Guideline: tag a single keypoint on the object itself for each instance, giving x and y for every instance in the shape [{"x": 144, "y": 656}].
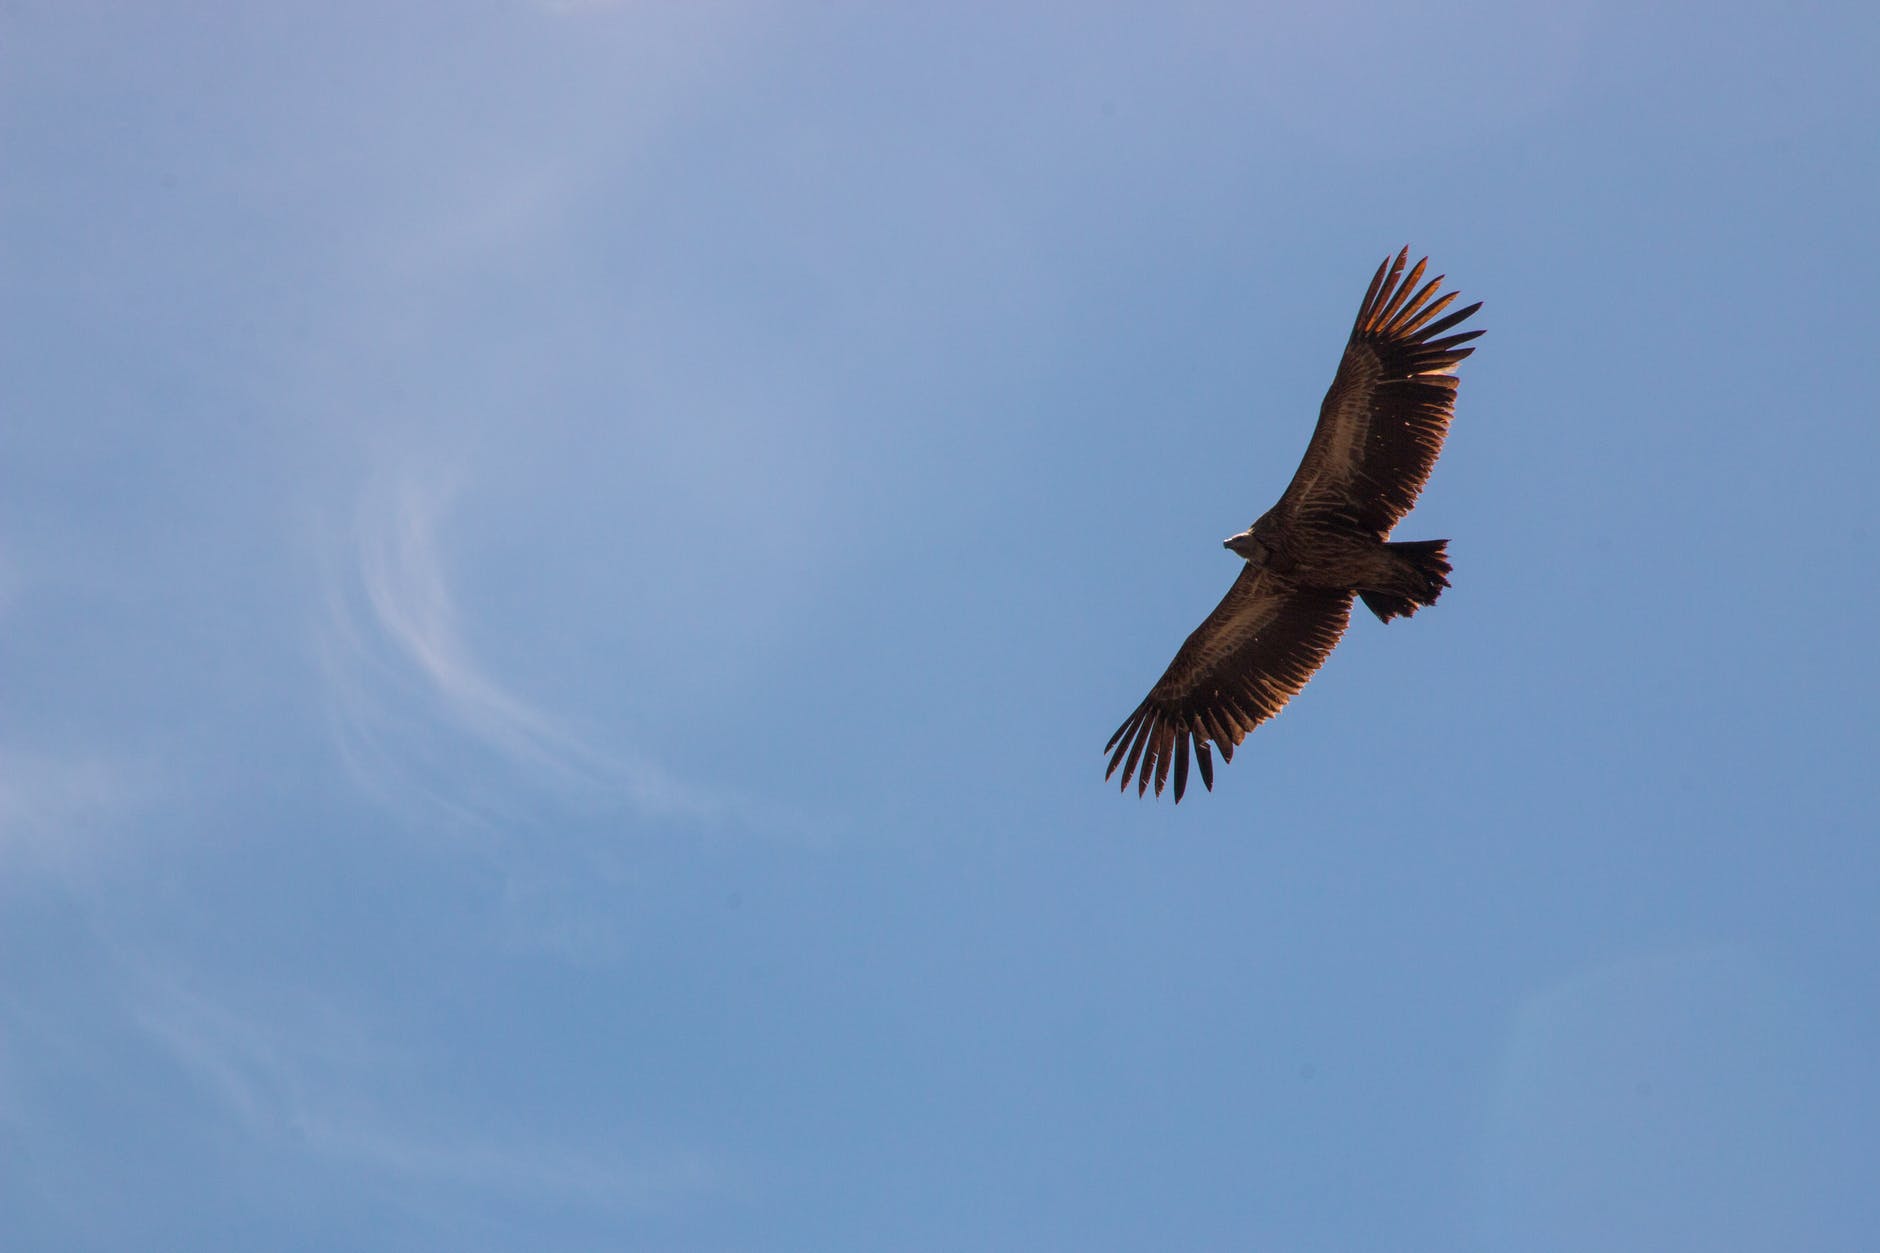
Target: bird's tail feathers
[{"x": 1419, "y": 573}]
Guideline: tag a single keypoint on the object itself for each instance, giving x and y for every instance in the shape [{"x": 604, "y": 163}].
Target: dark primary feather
[
  {"x": 1384, "y": 418},
  {"x": 1237, "y": 669}
]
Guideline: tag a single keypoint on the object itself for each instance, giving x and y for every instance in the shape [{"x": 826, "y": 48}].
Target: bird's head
[{"x": 1247, "y": 546}]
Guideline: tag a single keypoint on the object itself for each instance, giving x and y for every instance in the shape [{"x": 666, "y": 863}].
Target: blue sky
[{"x": 565, "y": 569}]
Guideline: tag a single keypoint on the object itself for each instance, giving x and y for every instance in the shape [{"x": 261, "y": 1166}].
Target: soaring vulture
[{"x": 1380, "y": 428}]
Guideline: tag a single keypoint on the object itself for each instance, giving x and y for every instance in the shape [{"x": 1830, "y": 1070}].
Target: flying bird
[{"x": 1380, "y": 428}]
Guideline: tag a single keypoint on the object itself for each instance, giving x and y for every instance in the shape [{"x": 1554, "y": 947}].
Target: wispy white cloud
[
  {"x": 534, "y": 235},
  {"x": 304, "y": 1077},
  {"x": 54, "y": 806},
  {"x": 409, "y": 693}
]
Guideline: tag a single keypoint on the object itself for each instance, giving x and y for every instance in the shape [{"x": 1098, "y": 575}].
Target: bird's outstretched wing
[
  {"x": 1238, "y": 668},
  {"x": 1383, "y": 421}
]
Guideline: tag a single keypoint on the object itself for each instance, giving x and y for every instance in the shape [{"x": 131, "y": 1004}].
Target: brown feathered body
[{"x": 1380, "y": 429}]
